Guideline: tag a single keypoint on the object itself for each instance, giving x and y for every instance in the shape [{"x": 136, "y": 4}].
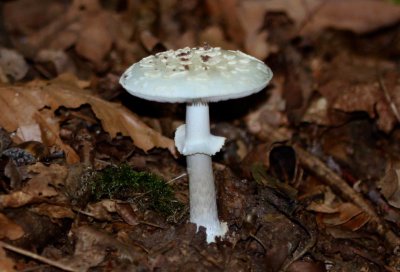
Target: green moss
[{"x": 145, "y": 189}]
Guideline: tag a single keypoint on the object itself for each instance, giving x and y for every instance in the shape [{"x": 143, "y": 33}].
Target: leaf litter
[{"x": 309, "y": 180}]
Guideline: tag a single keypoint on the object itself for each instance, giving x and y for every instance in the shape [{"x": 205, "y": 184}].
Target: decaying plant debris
[{"x": 308, "y": 180}]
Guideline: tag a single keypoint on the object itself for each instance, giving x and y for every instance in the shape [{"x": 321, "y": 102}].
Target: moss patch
[{"x": 147, "y": 190}]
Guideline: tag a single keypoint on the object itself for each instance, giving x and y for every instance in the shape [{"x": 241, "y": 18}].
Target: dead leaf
[
  {"x": 29, "y": 132},
  {"x": 345, "y": 212},
  {"x": 317, "y": 111},
  {"x": 38, "y": 187},
  {"x": 6, "y": 264},
  {"x": 82, "y": 23},
  {"x": 16, "y": 199},
  {"x": 214, "y": 36},
  {"x": 53, "y": 211},
  {"x": 92, "y": 246},
  {"x": 353, "y": 84},
  {"x": 58, "y": 59},
  {"x": 96, "y": 37},
  {"x": 101, "y": 210},
  {"x": 54, "y": 174},
  {"x": 251, "y": 17},
  {"x": 346, "y": 215},
  {"x": 26, "y": 16},
  {"x": 390, "y": 186},
  {"x": 9, "y": 229},
  {"x": 127, "y": 214},
  {"x": 13, "y": 172},
  {"x": 301, "y": 266},
  {"x": 26, "y": 103},
  {"x": 226, "y": 11},
  {"x": 13, "y": 64},
  {"x": 270, "y": 113},
  {"x": 148, "y": 40},
  {"x": 335, "y": 214},
  {"x": 359, "y": 16},
  {"x": 50, "y": 134}
]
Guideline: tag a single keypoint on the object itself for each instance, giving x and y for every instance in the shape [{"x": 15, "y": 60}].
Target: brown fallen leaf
[
  {"x": 390, "y": 186},
  {"x": 25, "y": 104},
  {"x": 299, "y": 266},
  {"x": 53, "y": 211},
  {"x": 226, "y": 11},
  {"x": 214, "y": 36},
  {"x": 13, "y": 64},
  {"x": 359, "y": 16},
  {"x": 9, "y": 229},
  {"x": 96, "y": 37},
  {"x": 59, "y": 61},
  {"x": 350, "y": 84},
  {"x": 270, "y": 113},
  {"x": 127, "y": 214},
  {"x": 38, "y": 187},
  {"x": 49, "y": 132},
  {"x": 251, "y": 17},
  {"x": 92, "y": 246},
  {"x": 16, "y": 199},
  {"x": 26, "y": 16},
  {"x": 101, "y": 210},
  {"x": 346, "y": 215},
  {"x": 6, "y": 263}
]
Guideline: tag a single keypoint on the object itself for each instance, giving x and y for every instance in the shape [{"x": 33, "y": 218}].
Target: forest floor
[{"x": 309, "y": 176}]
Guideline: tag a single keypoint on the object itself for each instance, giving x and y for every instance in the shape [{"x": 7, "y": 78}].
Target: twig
[
  {"x": 298, "y": 254},
  {"x": 316, "y": 166},
  {"x": 259, "y": 241},
  {"x": 176, "y": 178},
  {"x": 37, "y": 257},
  {"x": 151, "y": 224},
  {"x": 329, "y": 177}
]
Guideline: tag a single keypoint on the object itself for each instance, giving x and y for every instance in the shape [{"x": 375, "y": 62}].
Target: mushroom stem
[{"x": 203, "y": 204}]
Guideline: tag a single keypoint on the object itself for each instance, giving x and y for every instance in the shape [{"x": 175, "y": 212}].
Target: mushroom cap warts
[{"x": 207, "y": 74}]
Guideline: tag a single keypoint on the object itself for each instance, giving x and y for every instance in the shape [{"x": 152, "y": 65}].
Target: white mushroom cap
[{"x": 207, "y": 74}]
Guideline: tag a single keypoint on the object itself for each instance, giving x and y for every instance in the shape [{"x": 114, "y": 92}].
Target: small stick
[
  {"x": 151, "y": 224},
  {"x": 258, "y": 240},
  {"x": 37, "y": 257},
  {"x": 176, "y": 178}
]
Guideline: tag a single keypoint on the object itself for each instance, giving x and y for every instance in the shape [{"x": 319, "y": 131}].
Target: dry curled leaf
[
  {"x": 96, "y": 38},
  {"x": 359, "y": 16},
  {"x": 101, "y": 210},
  {"x": 92, "y": 246},
  {"x": 9, "y": 229},
  {"x": 390, "y": 186},
  {"x": 38, "y": 187},
  {"x": 6, "y": 264},
  {"x": 13, "y": 64},
  {"x": 25, "y": 104},
  {"x": 53, "y": 211},
  {"x": 359, "y": 84},
  {"x": 346, "y": 215}
]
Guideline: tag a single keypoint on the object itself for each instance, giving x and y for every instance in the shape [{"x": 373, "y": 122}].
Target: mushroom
[{"x": 197, "y": 76}]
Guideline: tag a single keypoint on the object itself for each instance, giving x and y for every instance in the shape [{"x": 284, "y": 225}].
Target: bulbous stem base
[{"x": 203, "y": 204}]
